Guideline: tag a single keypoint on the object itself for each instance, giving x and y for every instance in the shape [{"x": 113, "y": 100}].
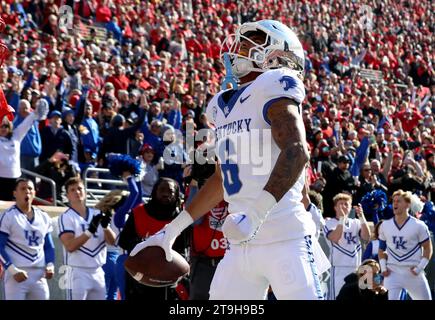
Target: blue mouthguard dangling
[{"x": 229, "y": 77}]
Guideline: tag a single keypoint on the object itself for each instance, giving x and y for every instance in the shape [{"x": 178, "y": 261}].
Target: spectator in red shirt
[
  {"x": 194, "y": 46},
  {"x": 103, "y": 13},
  {"x": 326, "y": 128},
  {"x": 409, "y": 118},
  {"x": 119, "y": 79}
]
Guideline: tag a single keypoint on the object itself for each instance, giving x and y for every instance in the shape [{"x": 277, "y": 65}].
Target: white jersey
[
  {"x": 93, "y": 253},
  {"x": 247, "y": 152},
  {"x": 347, "y": 252},
  {"x": 404, "y": 243},
  {"x": 10, "y": 149},
  {"x": 26, "y": 238}
]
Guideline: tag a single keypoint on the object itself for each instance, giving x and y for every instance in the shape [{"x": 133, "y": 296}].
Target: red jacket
[
  {"x": 146, "y": 225},
  {"x": 103, "y": 14},
  {"x": 208, "y": 239}
]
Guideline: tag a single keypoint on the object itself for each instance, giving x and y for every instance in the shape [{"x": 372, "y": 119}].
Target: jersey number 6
[{"x": 230, "y": 171}]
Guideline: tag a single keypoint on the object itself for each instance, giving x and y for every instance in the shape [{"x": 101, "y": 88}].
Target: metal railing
[
  {"x": 52, "y": 185},
  {"x": 95, "y": 194}
]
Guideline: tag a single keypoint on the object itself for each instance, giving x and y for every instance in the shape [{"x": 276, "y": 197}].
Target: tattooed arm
[{"x": 289, "y": 134}]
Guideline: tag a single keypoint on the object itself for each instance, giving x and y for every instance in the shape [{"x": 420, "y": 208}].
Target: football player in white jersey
[
  {"x": 344, "y": 235},
  {"x": 26, "y": 246},
  {"x": 404, "y": 251},
  {"x": 271, "y": 235},
  {"x": 84, "y": 233}
]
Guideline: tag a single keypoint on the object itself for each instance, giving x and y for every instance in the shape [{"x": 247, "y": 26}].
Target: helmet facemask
[
  {"x": 272, "y": 54},
  {"x": 243, "y": 64}
]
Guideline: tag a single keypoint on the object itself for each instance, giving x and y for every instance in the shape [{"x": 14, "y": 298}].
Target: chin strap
[{"x": 229, "y": 77}]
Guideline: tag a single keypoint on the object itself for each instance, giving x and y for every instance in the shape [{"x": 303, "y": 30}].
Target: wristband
[
  {"x": 422, "y": 265},
  {"x": 341, "y": 221},
  {"x": 88, "y": 233},
  {"x": 181, "y": 222},
  {"x": 383, "y": 264}
]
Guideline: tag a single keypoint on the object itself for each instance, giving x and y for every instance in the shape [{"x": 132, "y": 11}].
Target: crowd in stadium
[{"x": 369, "y": 80}]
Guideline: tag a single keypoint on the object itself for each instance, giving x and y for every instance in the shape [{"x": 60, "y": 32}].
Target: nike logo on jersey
[
  {"x": 243, "y": 100},
  {"x": 241, "y": 219}
]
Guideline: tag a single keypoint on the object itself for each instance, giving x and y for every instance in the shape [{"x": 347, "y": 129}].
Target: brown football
[{"x": 149, "y": 267}]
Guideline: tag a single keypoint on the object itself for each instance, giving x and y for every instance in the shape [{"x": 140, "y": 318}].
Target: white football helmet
[{"x": 281, "y": 48}]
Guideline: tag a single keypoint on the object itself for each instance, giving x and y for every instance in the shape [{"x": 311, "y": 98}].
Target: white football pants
[{"x": 247, "y": 270}]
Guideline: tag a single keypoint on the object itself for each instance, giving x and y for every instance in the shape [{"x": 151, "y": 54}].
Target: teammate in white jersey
[
  {"x": 110, "y": 203},
  {"x": 26, "y": 246},
  {"x": 344, "y": 235},
  {"x": 271, "y": 235},
  {"x": 84, "y": 233},
  {"x": 404, "y": 251}
]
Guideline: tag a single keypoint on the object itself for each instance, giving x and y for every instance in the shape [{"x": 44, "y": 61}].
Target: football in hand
[{"x": 150, "y": 267}]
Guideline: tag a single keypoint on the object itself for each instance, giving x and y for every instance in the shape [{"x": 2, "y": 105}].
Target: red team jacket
[
  {"x": 146, "y": 225},
  {"x": 208, "y": 238}
]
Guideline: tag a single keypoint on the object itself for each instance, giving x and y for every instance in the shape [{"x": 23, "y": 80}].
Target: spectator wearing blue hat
[
  {"x": 89, "y": 132},
  {"x": 54, "y": 137},
  {"x": 69, "y": 124},
  {"x": 153, "y": 135},
  {"x": 89, "y": 161},
  {"x": 319, "y": 112},
  {"x": 13, "y": 93}
]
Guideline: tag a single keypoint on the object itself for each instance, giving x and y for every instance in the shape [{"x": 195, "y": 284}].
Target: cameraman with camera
[{"x": 364, "y": 285}]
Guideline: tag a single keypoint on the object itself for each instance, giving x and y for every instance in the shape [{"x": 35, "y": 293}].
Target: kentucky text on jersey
[{"x": 234, "y": 127}]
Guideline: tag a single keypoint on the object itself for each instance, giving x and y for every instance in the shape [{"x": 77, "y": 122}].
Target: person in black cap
[
  {"x": 54, "y": 137},
  {"x": 117, "y": 135},
  {"x": 340, "y": 180},
  {"x": 70, "y": 125}
]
